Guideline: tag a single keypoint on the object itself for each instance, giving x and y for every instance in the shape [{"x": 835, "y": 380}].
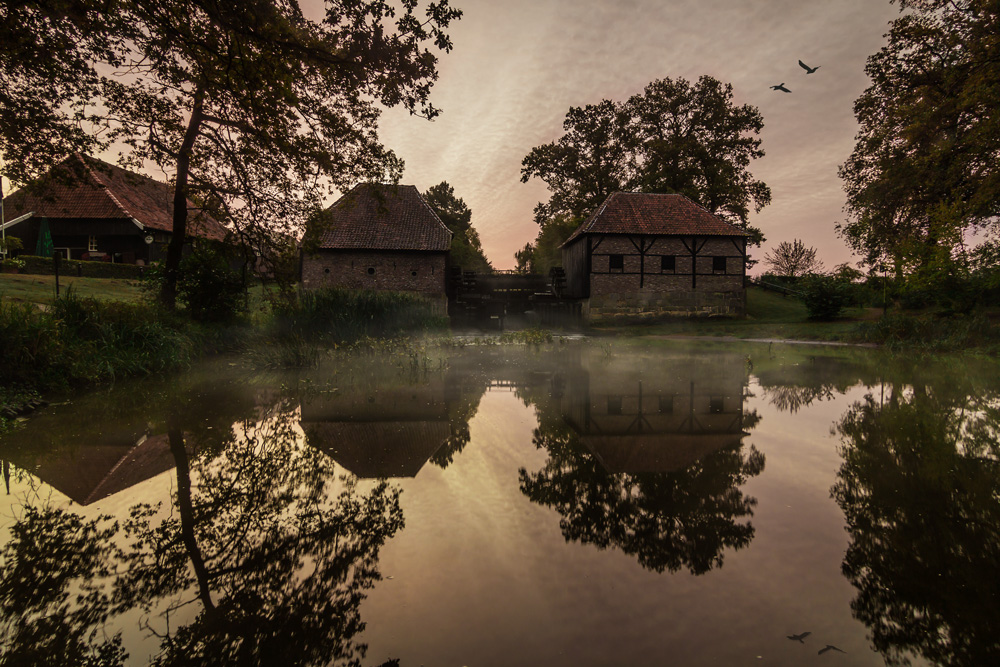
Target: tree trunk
[{"x": 168, "y": 292}]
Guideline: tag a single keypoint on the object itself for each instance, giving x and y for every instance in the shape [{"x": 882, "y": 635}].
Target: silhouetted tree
[
  {"x": 793, "y": 259},
  {"x": 674, "y": 137},
  {"x": 924, "y": 169},
  {"x": 252, "y": 107},
  {"x": 466, "y": 248}
]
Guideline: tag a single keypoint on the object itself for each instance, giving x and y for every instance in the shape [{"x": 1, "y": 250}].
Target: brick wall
[{"x": 420, "y": 272}]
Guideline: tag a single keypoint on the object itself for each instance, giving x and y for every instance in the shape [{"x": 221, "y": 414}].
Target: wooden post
[{"x": 55, "y": 266}]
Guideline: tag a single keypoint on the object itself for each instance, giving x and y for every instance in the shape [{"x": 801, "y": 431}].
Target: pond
[{"x": 586, "y": 502}]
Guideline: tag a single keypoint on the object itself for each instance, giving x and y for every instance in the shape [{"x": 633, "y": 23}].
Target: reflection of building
[
  {"x": 88, "y": 473},
  {"x": 380, "y": 431},
  {"x": 658, "y": 419}
]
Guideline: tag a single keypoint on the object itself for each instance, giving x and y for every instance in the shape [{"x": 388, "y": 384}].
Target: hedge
[{"x": 74, "y": 267}]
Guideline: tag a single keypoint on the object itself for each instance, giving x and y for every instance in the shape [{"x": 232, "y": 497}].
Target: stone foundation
[{"x": 653, "y": 305}]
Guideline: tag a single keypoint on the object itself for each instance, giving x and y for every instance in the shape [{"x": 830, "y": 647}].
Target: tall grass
[
  {"x": 300, "y": 327},
  {"x": 344, "y": 316},
  {"x": 82, "y": 341}
]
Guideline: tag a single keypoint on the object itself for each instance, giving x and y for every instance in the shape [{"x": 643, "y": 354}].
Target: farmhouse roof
[
  {"x": 384, "y": 217},
  {"x": 88, "y": 188},
  {"x": 653, "y": 214}
]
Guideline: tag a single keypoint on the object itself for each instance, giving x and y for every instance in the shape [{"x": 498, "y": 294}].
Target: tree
[
  {"x": 793, "y": 259},
  {"x": 586, "y": 165},
  {"x": 251, "y": 108},
  {"x": 924, "y": 170},
  {"x": 674, "y": 137},
  {"x": 466, "y": 248},
  {"x": 546, "y": 252},
  {"x": 691, "y": 139}
]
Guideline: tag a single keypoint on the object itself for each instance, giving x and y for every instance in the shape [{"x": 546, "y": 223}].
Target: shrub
[
  {"x": 825, "y": 297},
  {"x": 45, "y": 266},
  {"x": 209, "y": 288}
]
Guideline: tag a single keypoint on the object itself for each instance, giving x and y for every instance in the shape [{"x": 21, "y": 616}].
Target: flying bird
[
  {"x": 830, "y": 647},
  {"x": 809, "y": 70},
  {"x": 781, "y": 87},
  {"x": 800, "y": 638}
]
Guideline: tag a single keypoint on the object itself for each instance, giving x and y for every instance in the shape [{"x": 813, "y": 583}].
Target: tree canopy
[
  {"x": 466, "y": 248},
  {"x": 924, "y": 170},
  {"x": 252, "y": 109},
  {"x": 674, "y": 137}
]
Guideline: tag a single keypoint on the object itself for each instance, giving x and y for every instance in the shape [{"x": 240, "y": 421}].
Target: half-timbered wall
[{"x": 645, "y": 275}]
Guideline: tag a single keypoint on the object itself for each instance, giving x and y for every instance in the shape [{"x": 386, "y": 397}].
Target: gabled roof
[
  {"x": 384, "y": 217},
  {"x": 88, "y": 188},
  {"x": 654, "y": 214}
]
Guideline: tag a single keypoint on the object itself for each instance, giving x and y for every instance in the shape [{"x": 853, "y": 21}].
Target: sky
[{"x": 518, "y": 65}]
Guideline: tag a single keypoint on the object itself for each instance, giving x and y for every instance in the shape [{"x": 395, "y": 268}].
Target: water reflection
[
  {"x": 262, "y": 556},
  {"x": 648, "y": 458},
  {"x": 920, "y": 490}
]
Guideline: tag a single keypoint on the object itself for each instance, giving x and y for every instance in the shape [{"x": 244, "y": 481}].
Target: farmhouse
[
  {"x": 98, "y": 211},
  {"x": 645, "y": 254},
  {"x": 380, "y": 237}
]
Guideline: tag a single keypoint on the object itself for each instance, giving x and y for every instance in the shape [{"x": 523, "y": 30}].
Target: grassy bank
[
  {"x": 78, "y": 340},
  {"x": 769, "y": 315}
]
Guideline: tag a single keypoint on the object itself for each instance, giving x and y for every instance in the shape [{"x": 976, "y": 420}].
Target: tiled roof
[
  {"x": 95, "y": 190},
  {"x": 646, "y": 213},
  {"x": 384, "y": 217}
]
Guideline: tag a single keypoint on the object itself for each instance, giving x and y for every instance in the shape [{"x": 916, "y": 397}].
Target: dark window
[
  {"x": 719, "y": 264},
  {"x": 614, "y": 405},
  {"x": 616, "y": 262},
  {"x": 371, "y": 270},
  {"x": 667, "y": 264},
  {"x": 715, "y": 405},
  {"x": 667, "y": 405}
]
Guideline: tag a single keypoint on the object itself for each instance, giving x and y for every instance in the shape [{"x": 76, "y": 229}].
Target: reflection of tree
[
  {"x": 791, "y": 398},
  {"x": 920, "y": 490},
  {"x": 666, "y": 520},
  {"x": 52, "y": 597},
  {"x": 261, "y": 561}
]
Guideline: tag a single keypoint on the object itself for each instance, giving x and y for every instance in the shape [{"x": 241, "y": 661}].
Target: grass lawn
[
  {"x": 769, "y": 315},
  {"x": 42, "y": 289}
]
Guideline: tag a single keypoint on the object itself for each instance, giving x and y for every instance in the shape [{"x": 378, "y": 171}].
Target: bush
[
  {"x": 45, "y": 266},
  {"x": 80, "y": 341},
  {"x": 209, "y": 288},
  {"x": 937, "y": 333},
  {"x": 825, "y": 297}
]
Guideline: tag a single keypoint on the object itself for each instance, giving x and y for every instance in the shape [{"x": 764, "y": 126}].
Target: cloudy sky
[{"x": 518, "y": 65}]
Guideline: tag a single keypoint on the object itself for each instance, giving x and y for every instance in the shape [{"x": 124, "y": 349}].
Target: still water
[{"x": 581, "y": 503}]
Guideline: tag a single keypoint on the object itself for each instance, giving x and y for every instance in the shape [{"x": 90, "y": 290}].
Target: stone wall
[{"x": 423, "y": 273}]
